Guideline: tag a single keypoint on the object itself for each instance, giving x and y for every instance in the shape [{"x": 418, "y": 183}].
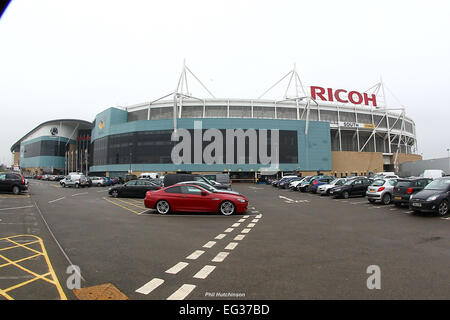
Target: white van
[
  {"x": 149, "y": 175},
  {"x": 433, "y": 174}
]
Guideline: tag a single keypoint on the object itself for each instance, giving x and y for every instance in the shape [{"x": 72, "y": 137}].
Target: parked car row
[{"x": 418, "y": 193}]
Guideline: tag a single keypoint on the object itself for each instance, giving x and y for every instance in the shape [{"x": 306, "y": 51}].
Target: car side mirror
[{"x": 204, "y": 193}]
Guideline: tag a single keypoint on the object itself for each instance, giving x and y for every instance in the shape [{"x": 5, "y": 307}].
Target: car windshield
[
  {"x": 378, "y": 183},
  {"x": 349, "y": 182},
  {"x": 439, "y": 184},
  {"x": 207, "y": 187}
]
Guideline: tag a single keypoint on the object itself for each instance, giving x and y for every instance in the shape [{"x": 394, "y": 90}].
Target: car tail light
[
  {"x": 409, "y": 190},
  {"x": 23, "y": 181},
  {"x": 315, "y": 182},
  {"x": 380, "y": 189},
  {"x": 159, "y": 187}
]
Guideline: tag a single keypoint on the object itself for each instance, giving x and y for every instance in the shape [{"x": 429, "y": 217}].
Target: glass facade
[
  {"x": 44, "y": 148},
  {"x": 155, "y": 147}
]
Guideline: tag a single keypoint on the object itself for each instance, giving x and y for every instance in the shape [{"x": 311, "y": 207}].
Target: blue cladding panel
[{"x": 314, "y": 149}]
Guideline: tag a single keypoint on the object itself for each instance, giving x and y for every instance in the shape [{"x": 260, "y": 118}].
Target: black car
[
  {"x": 174, "y": 178},
  {"x": 133, "y": 188},
  {"x": 435, "y": 197},
  {"x": 12, "y": 182},
  {"x": 354, "y": 187},
  {"x": 407, "y": 187}
]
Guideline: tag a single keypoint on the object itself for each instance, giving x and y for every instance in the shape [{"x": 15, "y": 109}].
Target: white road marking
[
  {"x": 285, "y": 198},
  {"x": 220, "y": 257},
  {"x": 246, "y": 217},
  {"x": 177, "y": 268},
  {"x": 220, "y": 236},
  {"x": 56, "y": 199},
  {"x": 150, "y": 286},
  {"x": 16, "y": 208},
  {"x": 259, "y": 216},
  {"x": 229, "y": 230},
  {"x": 102, "y": 191},
  {"x": 239, "y": 237},
  {"x": 246, "y": 230},
  {"x": 77, "y": 194},
  {"x": 204, "y": 272},
  {"x": 358, "y": 202},
  {"x": 255, "y": 220},
  {"x": 209, "y": 244},
  {"x": 446, "y": 218},
  {"x": 182, "y": 292},
  {"x": 231, "y": 246},
  {"x": 255, "y": 211},
  {"x": 250, "y": 225},
  {"x": 236, "y": 225},
  {"x": 194, "y": 255},
  {"x": 409, "y": 212},
  {"x": 241, "y": 220}
]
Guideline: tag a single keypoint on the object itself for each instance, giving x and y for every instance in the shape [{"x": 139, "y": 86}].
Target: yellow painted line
[
  {"x": 119, "y": 205},
  {"x": 20, "y": 260},
  {"x": 25, "y": 282},
  {"x": 24, "y": 246},
  {"x": 7, "y": 296},
  {"x": 12, "y": 247},
  {"x": 132, "y": 204},
  {"x": 54, "y": 281}
]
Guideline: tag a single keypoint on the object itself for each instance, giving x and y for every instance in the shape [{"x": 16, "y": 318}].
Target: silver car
[
  {"x": 381, "y": 190},
  {"x": 74, "y": 180},
  {"x": 98, "y": 181},
  {"x": 324, "y": 189},
  {"x": 209, "y": 187}
]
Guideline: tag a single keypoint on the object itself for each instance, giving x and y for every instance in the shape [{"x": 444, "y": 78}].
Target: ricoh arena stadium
[{"x": 333, "y": 131}]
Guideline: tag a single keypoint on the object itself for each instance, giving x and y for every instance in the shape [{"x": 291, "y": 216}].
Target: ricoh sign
[{"x": 343, "y": 96}]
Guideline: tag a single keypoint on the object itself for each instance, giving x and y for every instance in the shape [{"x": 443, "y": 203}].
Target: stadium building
[{"x": 336, "y": 131}]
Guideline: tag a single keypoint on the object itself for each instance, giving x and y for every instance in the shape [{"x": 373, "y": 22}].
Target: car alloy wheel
[
  {"x": 77, "y": 185},
  {"x": 345, "y": 194},
  {"x": 115, "y": 193},
  {"x": 99, "y": 184},
  {"x": 63, "y": 185},
  {"x": 386, "y": 199},
  {"x": 227, "y": 208},
  {"x": 162, "y": 207},
  {"x": 443, "y": 208},
  {"x": 16, "y": 190}
]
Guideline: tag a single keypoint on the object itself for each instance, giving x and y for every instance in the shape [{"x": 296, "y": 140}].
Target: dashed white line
[
  {"x": 259, "y": 216},
  {"x": 246, "y": 230},
  {"x": 255, "y": 220},
  {"x": 204, "y": 272},
  {"x": 16, "y": 208},
  {"x": 241, "y": 220},
  {"x": 220, "y": 257},
  {"x": 209, "y": 244},
  {"x": 177, "y": 268},
  {"x": 239, "y": 237},
  {"x": 182, "y": 292},
  {"x": 150, "y": 286},
  {"x": 78, "y": 194},
  {"x": 246, "y": 217},
  {"x": 231, "y": 246},
  {"x": 236, "y": 225},
  {"x": 56, "y": 200},
  {"x": 250, "y": 225},
  {"x": 194, "y": 255},
  {"x": 220, "y": 236},
  {"x": 229, "y": 230}
]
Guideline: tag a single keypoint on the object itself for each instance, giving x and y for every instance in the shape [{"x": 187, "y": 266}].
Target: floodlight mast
[{"x": 182, "y": 91}]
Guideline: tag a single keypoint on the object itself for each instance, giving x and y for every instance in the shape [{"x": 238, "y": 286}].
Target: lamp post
[{"x": 448, "y": 153}]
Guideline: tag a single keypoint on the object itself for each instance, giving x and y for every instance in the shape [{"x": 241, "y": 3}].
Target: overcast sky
[{"x": 73, "y": 59}]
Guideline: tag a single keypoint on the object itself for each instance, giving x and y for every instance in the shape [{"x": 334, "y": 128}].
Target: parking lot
[{"x": 289, "y": 245}]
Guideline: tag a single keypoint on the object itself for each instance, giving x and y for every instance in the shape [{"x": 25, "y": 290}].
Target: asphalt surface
[{"x": 289, "y": 245}]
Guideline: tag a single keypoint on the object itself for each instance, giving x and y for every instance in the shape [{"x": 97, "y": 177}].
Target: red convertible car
[{"x": 192, "y": 198}]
